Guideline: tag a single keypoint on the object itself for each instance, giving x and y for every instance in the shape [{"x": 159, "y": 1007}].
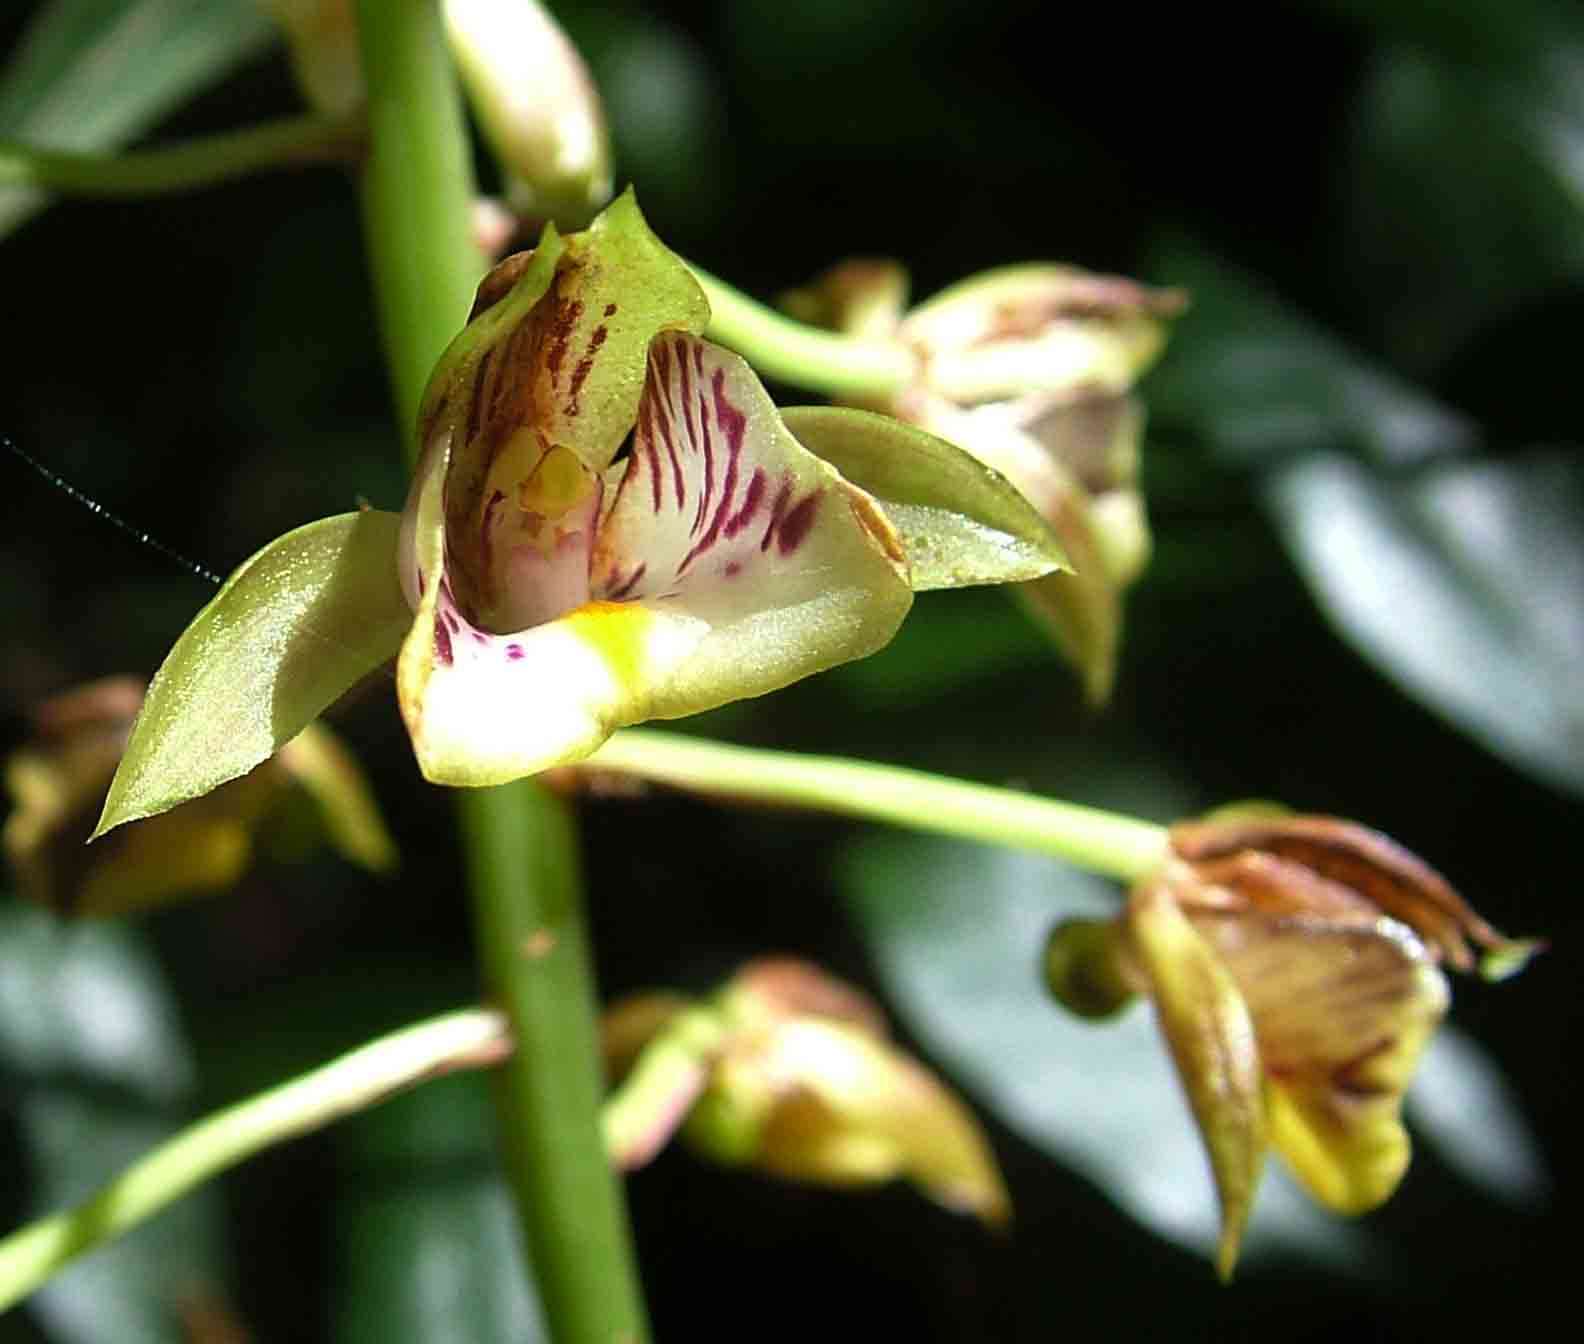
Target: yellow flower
[{"x": 1294, "y": 965}]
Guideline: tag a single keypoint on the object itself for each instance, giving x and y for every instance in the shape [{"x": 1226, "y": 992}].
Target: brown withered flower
[
  {"x": 1295, "y": 967},
  {"x": 791, "y": 1072},
  {"x": 59, "y": 779}
]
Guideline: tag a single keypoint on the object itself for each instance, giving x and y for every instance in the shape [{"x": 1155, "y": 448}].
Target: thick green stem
[
  {"x": 418, "y": 199},
  {"x": 418, "y": 194},
  {"x": 1101, "y": 842},
  {"x": 288, "y": 143},
  {"x": 528, "y": 908},
  {"x": 821, "y": 361},
  {"x": 472, "y": 1038}
]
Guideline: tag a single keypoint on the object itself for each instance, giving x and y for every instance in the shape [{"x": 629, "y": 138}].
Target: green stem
[
  {"x": 472, "y": 1038},
  {"x": 418, "y": 195},
  {"x": 665, "y": 1079},
  {"x": 528, "y": 908},
  {"x": 810, "y": 357},
  {"x": 519, "y": 842},
  {"x": 287, "y": 143},
  {"x": 1101, "y": 842}
]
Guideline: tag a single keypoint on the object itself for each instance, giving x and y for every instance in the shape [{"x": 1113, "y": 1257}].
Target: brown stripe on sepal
[{"x": 1345, "y": 855}]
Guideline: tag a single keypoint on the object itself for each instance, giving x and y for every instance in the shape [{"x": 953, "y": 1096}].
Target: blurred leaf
[
  {"x": 428, "y": 1243},
  {"x": 1461, "y": 1102},
  {"x": 1438, "y": 144},
  {"x": 1461, "y": 584},
  {"x": 1259, "y": 382},
  {"x": 87, "y": 1002},
  {"x": 957, "y": 933},
  {"x": 97, "y": 1068},
  {"x": 94, "y": 74}
]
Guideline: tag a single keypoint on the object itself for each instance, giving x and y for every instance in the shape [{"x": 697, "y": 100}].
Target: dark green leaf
[
  {"x": 1466, "y": 192},
  {"x": 98, "y": 1071},
  {"x": 429, "y": 1248},
  {"x": 1259, "y": 382},
  {"x": 1463, "y": 586},
  {"x": 94, "y": 74}
]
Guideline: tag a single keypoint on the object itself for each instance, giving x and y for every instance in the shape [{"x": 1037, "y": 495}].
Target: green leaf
[
  {"x": 428, "y": 1244},
  {"x": 960, "y": 521},
  {"x": 1462, "y": 585},
  {"x": 292, "y": 629},
  {"x": 1259, "y": 382},
  {"x": 98, "y": 1071},
  {"x": 956, "y": 933},
  {"x": 95, "y": 74}
]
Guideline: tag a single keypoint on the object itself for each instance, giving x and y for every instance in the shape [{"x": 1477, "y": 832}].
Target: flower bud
[
  {"x": 322, "y": 39},
  {"x": 789, "y": 1071},
  {"x": 1029, "y": 369},
  {"x": 58, "y": 783},
  {"x": 536, "y": 104},
  {"x": 1086, "y": 968}
]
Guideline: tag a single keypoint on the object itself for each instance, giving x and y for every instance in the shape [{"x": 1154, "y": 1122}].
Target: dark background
[{"x": 207, "y": 367}]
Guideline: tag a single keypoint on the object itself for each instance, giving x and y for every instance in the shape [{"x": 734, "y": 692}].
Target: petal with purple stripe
[{"x": 723, "y": 516}]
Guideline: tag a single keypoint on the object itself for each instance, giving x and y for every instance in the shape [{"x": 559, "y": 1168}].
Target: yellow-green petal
[
  {"x": 1342, "y": 1014},
  {"x": 295, "y": 627},
  {"x": 960, "y": 521},
  {"x": 1212, "y": 1040}
]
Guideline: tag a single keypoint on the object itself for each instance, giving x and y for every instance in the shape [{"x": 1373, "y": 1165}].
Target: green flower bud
[{"x": 536, "y": 104}]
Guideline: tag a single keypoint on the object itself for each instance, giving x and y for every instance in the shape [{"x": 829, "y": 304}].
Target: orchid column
[{"x": 520, "y": 844}]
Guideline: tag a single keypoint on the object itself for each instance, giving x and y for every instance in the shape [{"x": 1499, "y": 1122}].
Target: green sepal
[
  {"x": 597, "y": 299},
  {"x": 960, "y": 521},
  {"x": 295, "y": 626}
]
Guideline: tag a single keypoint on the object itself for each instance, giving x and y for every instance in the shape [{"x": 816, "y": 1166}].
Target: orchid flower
[
  {"x": 610, "y": 522},
  {"x": 1294, "y": 965},
  {"x": 1030, "y": 369},
  {"x": 791, "y": 1072}
]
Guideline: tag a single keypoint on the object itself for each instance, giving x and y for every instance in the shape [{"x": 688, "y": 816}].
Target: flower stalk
[
  {"x": 469, "y": 1038},
  {"x": 805, "y": 356},
  {"x": 1101, "y": 842},
  {"x": 208, "y": 161},
  {"x": 522, "y": 875}
]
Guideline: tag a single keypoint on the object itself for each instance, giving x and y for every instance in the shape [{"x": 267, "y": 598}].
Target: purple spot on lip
[
  {"x": 795, "y": 526},
  {"x": 514, "y": 653},
  {"x": 442, "y": 644},
  {"x": 733, "y": 568}
]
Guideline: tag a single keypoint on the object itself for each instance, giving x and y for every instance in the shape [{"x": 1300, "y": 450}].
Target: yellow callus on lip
[{"x": 557, "y": 484}]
